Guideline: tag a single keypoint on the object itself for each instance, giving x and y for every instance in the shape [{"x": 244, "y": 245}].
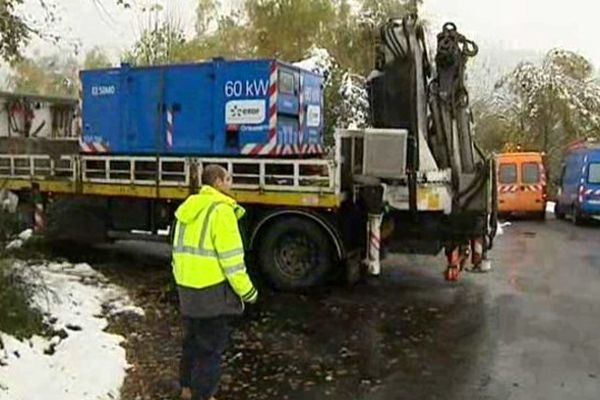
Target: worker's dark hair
[{"x": 211, "y": 173}]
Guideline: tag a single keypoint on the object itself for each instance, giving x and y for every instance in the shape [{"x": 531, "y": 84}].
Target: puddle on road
[{"x": 528, "y": 233}]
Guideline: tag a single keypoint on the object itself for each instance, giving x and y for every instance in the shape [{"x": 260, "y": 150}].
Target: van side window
[
  {"x": 594, "y": 173},
  {"x": 508, "y": 173},
  {"x": 530, "y": 173},
  {"x": 286, "y": 82}
]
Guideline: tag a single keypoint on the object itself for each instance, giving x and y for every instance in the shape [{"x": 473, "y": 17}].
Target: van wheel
[
  {"x": 295, "y": 253},
  {"x": 558, "y": 212},
  {"x": 578, "y": 218}
]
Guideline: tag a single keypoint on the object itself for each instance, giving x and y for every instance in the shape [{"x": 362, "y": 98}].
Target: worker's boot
[
  {"x": 453, "y": 255},
  {"x": 452, "y": 273},
  {"x": 484, "y": 265},
  {"x": 479, "y": 257}
]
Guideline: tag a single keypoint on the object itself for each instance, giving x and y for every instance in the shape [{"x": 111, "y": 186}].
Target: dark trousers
[{"x": 204, "y": 341}]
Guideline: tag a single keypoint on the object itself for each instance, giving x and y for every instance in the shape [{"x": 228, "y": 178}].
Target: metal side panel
[
  {"x": 385, "y": 153},
  {"x": 430, "y": 197},
  {"x": 426, "y": 160},
  {"x": 476, "y": 193}
]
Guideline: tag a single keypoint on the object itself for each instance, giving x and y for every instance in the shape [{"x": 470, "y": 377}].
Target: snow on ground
[
  {"x": 20, "y": 240},
  {"x": 8, "y": 201},
  {"x": 81, "y": 361},
  {"x": 501, "y": 226}
]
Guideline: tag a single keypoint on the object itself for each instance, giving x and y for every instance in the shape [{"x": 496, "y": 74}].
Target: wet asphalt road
[
  {"x": 530, "y": 329},
  {"x": 541, "y": 330}
]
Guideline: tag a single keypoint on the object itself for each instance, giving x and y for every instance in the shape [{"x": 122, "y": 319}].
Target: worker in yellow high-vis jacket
[{"x": 213, "y": 285}]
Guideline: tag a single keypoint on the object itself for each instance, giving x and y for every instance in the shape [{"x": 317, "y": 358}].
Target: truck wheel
[
  {"x": 295, "y": 253},
  {"x": 76, "y": 220}
]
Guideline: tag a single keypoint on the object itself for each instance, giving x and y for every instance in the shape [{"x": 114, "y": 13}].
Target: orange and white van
[{"x": 522, "y": 187}]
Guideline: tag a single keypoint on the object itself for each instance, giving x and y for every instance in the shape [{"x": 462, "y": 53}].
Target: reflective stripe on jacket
[{"x": 207, "y": 246}]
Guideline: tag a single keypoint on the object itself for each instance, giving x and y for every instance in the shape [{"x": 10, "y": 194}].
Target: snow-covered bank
[
  {"x": 20, "y": 240},
  {"x": 81, "y": 361}
]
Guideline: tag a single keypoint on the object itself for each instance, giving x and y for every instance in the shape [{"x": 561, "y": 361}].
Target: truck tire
[
  {"x": 295, "y": 253},
  {"x": 76, "y": 220}
]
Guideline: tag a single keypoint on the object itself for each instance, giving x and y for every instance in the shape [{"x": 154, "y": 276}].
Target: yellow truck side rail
[{"x": 274, "y": 182}]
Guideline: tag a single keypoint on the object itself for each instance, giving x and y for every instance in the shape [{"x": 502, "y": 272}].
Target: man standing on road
[{"x": 211, "y": 277}]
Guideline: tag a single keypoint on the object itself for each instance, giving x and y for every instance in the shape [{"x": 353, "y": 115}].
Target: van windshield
[
  {"x": 530, "y": 173},
  {"x": 594, "y": 173},
  {"x": 508, "y": 173}
]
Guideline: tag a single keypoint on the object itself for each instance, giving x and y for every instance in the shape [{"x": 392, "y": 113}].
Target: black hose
[
  {"x": 400, "y": 53},
  {"x": 480, "y": 184},
  {"x": 494, "y": 211}
]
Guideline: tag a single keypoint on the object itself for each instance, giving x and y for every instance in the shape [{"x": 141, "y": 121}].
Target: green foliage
[
  {"x": 493, "y": 132},
  {"x": 96, "y": 58},
  {"x": 286, "y": 29},
  {"x": 230, "y": 40},
  {"x": 17, "y": 28},
  {"x": 14, "y": 32},
  {"x": 207, "y": 14},
  {"x": 17, "y": 317},
  {"x": 49, "y": 75},
  {"x": 53, "y": 75},
  {"x": 542, "y": 107},
  {"x": 553, "y": 102},
  {"x": 157, "y": 45}
]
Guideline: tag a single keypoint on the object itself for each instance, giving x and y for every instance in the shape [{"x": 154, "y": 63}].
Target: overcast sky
[
  {"x": 526, "y": 24},
  {"x": 102, "y": 23},
  {"x": 521, "y": 24}
]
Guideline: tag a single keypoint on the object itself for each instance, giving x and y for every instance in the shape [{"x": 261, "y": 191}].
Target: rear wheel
[
  {"x": 77, "y": 220},
  {"x": 295, "y": 253}
]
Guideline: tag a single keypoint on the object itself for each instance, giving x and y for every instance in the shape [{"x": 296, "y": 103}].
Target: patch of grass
[
  {"x": 9, "y": 224},
  {"x": 17, "y": 317}
]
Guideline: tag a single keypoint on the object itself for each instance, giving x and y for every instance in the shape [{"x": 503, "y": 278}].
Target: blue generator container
[{"x": 216, "y": 108}]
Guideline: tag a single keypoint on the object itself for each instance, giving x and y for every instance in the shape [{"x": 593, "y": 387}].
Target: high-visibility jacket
[{"x": 207, "y": 245}]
